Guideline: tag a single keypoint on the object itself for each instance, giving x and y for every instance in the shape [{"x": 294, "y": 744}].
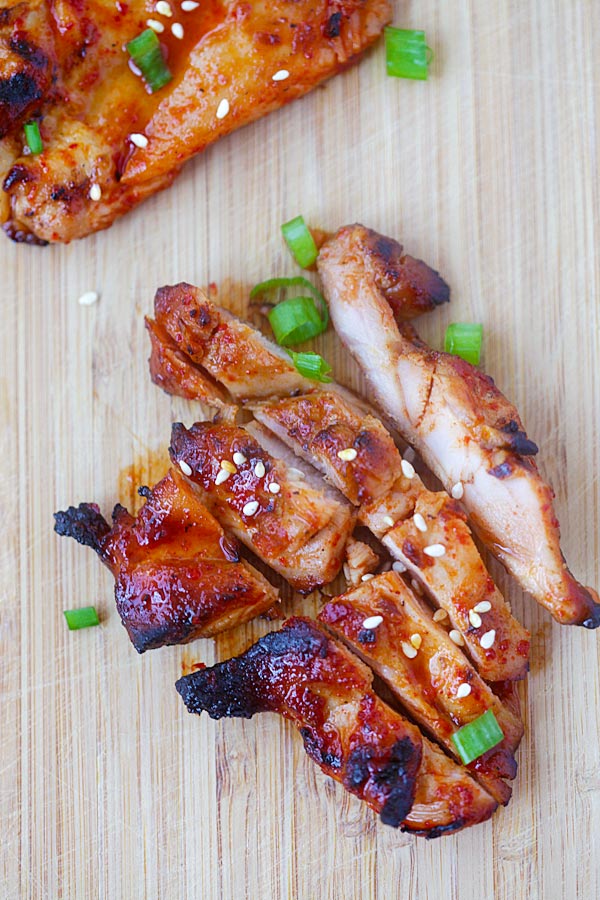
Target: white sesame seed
[
  {"x": 164, "y": 9},
  {"x": 408, "y": 650},
  {"x": 177, "y": 30},
  {"x": 250, "y": 508},
  {"x": 434, "y": 550},
  {"x": 463, "y": 690},
  {"x": 439, "y": 615},
  {"x": 416, "y": 586},
  {"x": 239, "y": 458},
  {"x": 274, "y": 487},
  {"x": 457, "y": 490},
  {"x": 88, "y": 298},
  {"x": 187, "y": 470},
  {"x": 474, "y": 619},
  {"x": 189, "y": 5},
  {"x": 372, "y": 622},
  {"x": 348, "y": 455},
  {"x": 416, "y": 640},
  {"x": 228, "y": 466},
  {"x": 409, "y": 454},
  {"x": 281, "y": 75},
  {"x": 95, "y": 192},
  {"x": 487, "y": 639},
  {"x": 420, "y": 523},
  {"x": 408, "y": 470},
  {"x": 387, "y": 520},
  {"x": 222, "y": 476},
  {"x": 398, "y": 566},
  {"x": 223, "y": 108},
  {"x": 457, "y": 637},
  {"x": 483, "y": 607},
  {"x": 367, "y": 576},
  {"x": 155, "y": 26},
  {"x": 259, "y": 469},
  {"x": 140, "y": 140}
]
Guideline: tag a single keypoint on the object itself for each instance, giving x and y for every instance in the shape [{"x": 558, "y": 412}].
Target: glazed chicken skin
[
  {"x": 466, "y": 431},
  {"x": 303, "y": 674},
  {"x": 108, "y": 142},
  {"x": 178, "y": 577}
]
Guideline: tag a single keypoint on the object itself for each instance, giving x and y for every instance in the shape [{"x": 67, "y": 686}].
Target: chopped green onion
[
  {"x": 296, "y": 319},
  {"x": 311, "y": 365},
  {"x": 81, "y": 618},
  {"x": 33, "y": 137},
  {"x": 146, "y": 53},
  {"x": 464, "y": 339},
  {"x": 406, "y": 53},
  {"x": 300, "y": 241},
  {"x": 476, "y": 738}
]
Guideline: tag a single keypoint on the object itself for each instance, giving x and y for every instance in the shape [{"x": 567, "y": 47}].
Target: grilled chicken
[
  {"x": 306, "y": 676},
  {"x": 231, "y": 61},
  {"x": 467, "y": 432},
  {"x": 178, "y": 576},
  {"x": 297, "y": 528},
  {"x": 426, "y": 671}
]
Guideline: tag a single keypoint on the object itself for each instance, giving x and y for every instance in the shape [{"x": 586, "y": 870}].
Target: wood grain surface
[{"x": 108, "y": 788}]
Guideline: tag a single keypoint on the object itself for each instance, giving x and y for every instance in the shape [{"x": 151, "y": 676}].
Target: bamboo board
[{"x": 489, "y": 171}]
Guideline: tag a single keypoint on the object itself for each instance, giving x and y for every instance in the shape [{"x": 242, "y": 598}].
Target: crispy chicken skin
[
  {"x": 177, "y": 575},
  {"x": 424, "y": 669},
  {"x": 463, "y": 427},
  {"x": 301, "y": 673},
  {"x": 297, "y": 529},
  {"x": 67, "y": 64}
]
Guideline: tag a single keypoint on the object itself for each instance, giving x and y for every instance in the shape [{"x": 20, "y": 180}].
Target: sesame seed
[
  {"x": 367, "y": 576},
  {"x": 163, "y": 8},
  {"x": 134, "y": 68},
  {"x": 155, "y": 26},
  {"x": 416, "y": 640},
  {"x": 487, "y": 639},
  {"x": 95, "y": 192},
  {"x": 222, "y": 476},
  {"x": 88, "y": 298},
  {"x": 274, "y": 487},
  {"x": 259, "y": 469},
  {"x": 408, "y": 470},
  {"x": 140, "y": 140},
  {"x": 239, "y": 458},
  {"x": 398, "y": 566},
  {"x": 420, "y": 523},
  {"x": 348, "y": 455},
  {"x": 250, "y": 508},
  {"x": 463, "y": 690},
  {"x": 372, "y": 622},
  {"x": 228, "y": 466},
  {"x": 439, "y": 615},
  {"x": 187, "y": 470},
  {"x": 434, "y": 550},
  {"x": 416, "y": 586},
  {"x": 177, "y": 30},
  {"x": 387, "y": 520},
  {"x": 457, "y": 490},
  {"x": 408, "y": 650},
  {"x": 223, "y": 108},
  {"x": 409, "y": 454},
  {"x": 457, "y": 637},
  {"x": 483, "y": 607},
  {"x": 189, "y": 5},
  {"x": 474, "y": 619},
  {"x": 281, "y": 75}
]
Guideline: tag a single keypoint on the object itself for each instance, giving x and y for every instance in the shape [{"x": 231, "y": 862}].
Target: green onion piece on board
[
  {"x": 33, "y": 137},
  {"x": 300, "y": 242},
  {"x": 146, "y": 53},
  {"x": 85, "y": 617},
  {"x": 296, "y": 319},
  {"x": 311, "y": 365},
  {"x": 476, "y": 738},
  {"x": 406, "y": 53},
  {"x": 464, "y": 339}
]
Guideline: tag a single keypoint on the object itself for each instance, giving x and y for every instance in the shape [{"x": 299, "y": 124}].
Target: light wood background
[{"x": 489, "y": 171}]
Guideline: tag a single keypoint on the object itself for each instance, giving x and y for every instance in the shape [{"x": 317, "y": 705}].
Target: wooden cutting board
[{"x": 489, "y": 171}]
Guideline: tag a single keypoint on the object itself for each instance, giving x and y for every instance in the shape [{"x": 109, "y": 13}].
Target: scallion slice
[
  {"x": 476, "y": 738},
  {"x": 300, "y": 241},
  {"x": 296, "y": 319},
  {"x": 464, "y": 339},
  {"x": 311, "y": 365},
  {"x": 146, "y": 53},
  {"x": 33, "y": 137},
  {"x": 85, "y": 617},
  {"x": 406, "y": 53}
]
